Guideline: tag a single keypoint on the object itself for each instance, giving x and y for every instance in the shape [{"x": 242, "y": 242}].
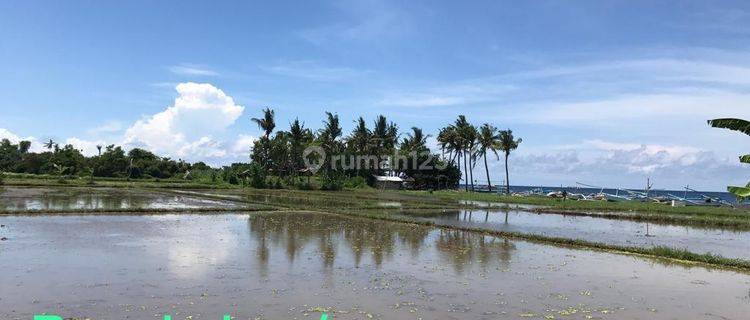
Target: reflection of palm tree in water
[
  {"x": 462, "y": 248},
  {"x": 294, "y": 231}
]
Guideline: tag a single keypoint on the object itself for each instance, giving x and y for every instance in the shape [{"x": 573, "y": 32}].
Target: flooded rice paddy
[
  {"x": 41, "y": 198},
  {"x": 294, "y": 265},
  {"x": 725, "y": 242}
]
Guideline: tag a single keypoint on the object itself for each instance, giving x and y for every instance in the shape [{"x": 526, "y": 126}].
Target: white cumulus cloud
[
  {"x": 87, "y": 147},
  {"x": 36, "y": 146},
  {"x": 186, "y": 129}
]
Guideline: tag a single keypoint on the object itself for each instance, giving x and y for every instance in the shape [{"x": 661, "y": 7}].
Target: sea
[{"x": 688, "y": 194}]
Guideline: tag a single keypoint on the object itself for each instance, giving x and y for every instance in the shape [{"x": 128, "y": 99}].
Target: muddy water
[
  {"x": 19, "y": 198},
  {"x": 726, "y": 242},
  {"x": 295, "y": 265}
]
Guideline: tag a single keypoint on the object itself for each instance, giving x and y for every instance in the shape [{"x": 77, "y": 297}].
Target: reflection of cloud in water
[
  {"x": 71, "y": 198},
  {"x": 195, "y": 246}
]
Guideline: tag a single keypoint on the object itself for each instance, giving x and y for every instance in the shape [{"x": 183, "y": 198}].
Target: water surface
[
  {"x": 295, "y": 265},
  {"x": 72, "y": 198},
  {"x": 726, "y": 242}
]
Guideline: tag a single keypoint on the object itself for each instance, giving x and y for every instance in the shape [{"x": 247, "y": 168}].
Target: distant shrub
[
  {"x": 257, "y": 176},
  {"x": 233, "y": 179},
  {"x": 304, "y": 185},
  {"x": 355, "y": 182},
  {"x": 332, "y": 183},
  {"x": 2, "y": 178},
  {"x": 277, "y": 184}
]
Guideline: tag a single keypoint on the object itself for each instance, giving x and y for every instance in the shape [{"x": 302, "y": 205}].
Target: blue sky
[{"x": 602, "y": 92}]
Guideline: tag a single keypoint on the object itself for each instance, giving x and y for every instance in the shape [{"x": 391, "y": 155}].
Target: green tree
[
  {"x": 416, "y": 141},
  {"x": 383, "y": 139},
  {"x": 299, "y": 138},
  {"x": 741, "y": 126},
  {"x": 112, "y": 163},
  {"x": 328, "y": 137},
  {"x": 267, "y": 123},
  {"x": 358, "y": 143},
  {"x": 50, "y": 144},
  {"x": 508, "y": 143},
  {"x": 463, "y": 143},
  {"x": 488, "y": 140},
  {"x": 261, "y": 152}
]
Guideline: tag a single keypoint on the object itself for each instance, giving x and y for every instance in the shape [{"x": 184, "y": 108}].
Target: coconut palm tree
[
  {"x": 384, "y": 136},
  {"x": 359, "y": 140},
  {"x": 415, "y": 141},
  {"x": 463, "y": 130},
  {"x": 328, "y": 136},
  {"x": 50, "y": 144},
  {"x": 744, "y": 127},
  {"x": 471, "y": 139},
  {"x": 358, "y": 144},
  {"x": 299, "y": 137},
  {"x": 448, "y": 141},
  {"x": 267, "y": 124},
  {"x": 488, "y": 140},
  {"x": 508, "y": 143}
]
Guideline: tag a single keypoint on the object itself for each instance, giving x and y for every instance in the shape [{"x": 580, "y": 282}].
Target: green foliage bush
[
  {"x": 355, "y": 182},
  {"x": 257, "y": 176},
  {"x": 332, "y": 182},
  {"x": 304, "y": 185}
]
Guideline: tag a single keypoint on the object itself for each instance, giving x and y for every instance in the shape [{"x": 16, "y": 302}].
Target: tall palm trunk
[
  {"x": 466, "y": 173},
  {"x": 487, "y": 171},
  {"x": 507, "y": 179},
  {"x": 471, "y": 169}
]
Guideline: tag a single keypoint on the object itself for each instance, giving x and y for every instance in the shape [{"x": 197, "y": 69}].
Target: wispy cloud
[
  {"x": 311, "y": 70},
  {"x": 459, "y": 93},
  {"x": 192, "y": 70},
  {"x": 109, "y": 127},
  {"x": 363, "y": 21}
]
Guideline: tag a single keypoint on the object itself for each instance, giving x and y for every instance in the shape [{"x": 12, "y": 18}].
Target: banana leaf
[
  {"x": 739, "y": 192},
  {"x": 731, "y": 124}
]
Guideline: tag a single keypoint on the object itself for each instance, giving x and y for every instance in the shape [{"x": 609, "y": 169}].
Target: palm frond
[
  {"x": 731, "y": 124},
  {"x": 739, "y": 192}
]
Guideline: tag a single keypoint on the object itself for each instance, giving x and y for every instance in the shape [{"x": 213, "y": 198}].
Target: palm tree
[
  {"x": 463, "y": 135},
  {"x": 99, "y": 148},
  {"x": 744, "y": 127},
  {"x": 328, "y": 134},
  {"x": 358, "y": 143},
  {"x": 488, "y": 140},
  {"x": 267, "y": 124},
  {"x": 359, "y": 140},
  {"x": 448, "y": 141},
  {"x": 508, "y": 143},
  {"x": 384, "y": 136},
  {"x": 299, "y": 137},
  {"x": 471, "y": 140},
  {"x": 50, "y": 144},
  {"x": 415, "y": 141}
]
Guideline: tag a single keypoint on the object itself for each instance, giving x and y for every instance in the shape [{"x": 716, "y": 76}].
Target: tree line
[
  {"x": 460, "y": 143},
  {"x": 278, "y": 157}
]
